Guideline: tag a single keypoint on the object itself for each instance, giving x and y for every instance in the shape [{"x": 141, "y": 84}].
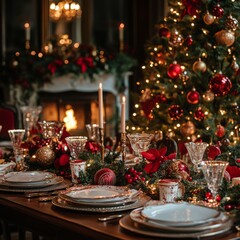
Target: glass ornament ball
[
  {"x": 218, "y": 11},
  {"x": 225, "y": 38},
  {"x": 193, "y": 97},
  {"x": 199, "y": 66},
  {"x": 220, "y": 85},
  {"x": 174, "y": 70},
  {"x": 164, "y": 32},
  {"x": 208, "y": 18}
]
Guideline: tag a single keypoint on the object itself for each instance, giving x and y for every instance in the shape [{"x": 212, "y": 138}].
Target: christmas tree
[{"x": 191, "y": 85}]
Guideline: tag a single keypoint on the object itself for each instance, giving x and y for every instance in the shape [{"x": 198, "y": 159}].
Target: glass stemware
[
  {"x": 30, "y": 117},
  {"x": 196, "y": 151},
  {"x": 16, "y": 136},
  {"x": 76, "y": 145},
  {"x": 213, "y": 172},
  {"x": 140, "y": 142},
  {"x": 93, "y": 132}
]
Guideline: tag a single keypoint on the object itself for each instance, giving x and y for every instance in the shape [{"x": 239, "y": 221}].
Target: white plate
[
  {"x": 28, "y": 177},
  {"x": 136, "y": 216},
  {"x": 134, "y": 227},
  {"x": 97, "y": 193},
  {"x": 42, "y": 184},
  {"x": 180, "y": 214},
  {"x": 58, "y": 202}
]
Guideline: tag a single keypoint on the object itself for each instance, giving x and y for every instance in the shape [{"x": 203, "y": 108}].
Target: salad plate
[
  {"x": 28, "y": 176},
  {"x": 180, "y": 214}
]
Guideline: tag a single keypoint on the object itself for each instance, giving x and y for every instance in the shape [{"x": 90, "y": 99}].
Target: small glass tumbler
[{"x": 77, "y": 167}]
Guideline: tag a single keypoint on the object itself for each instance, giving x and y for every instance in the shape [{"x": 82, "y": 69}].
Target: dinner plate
[
  {"x": 28, "y": 176},
  {"x": 97, "y": 193},
  {"x": 136, "y": 216},
  {"x": 127, "y": 223},
  {"x": 59, "y": 202},
  {"x": 180, "y": 214},
  {"x": 42, "y": 184},
  {"x": 131, "y": 199}
]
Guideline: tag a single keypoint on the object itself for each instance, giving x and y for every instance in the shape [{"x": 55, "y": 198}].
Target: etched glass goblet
[
  {"x": 140, "y": 142},
  {"x": 76, "y": 145},
  {"x": 196, "y": 151},
  {"x": 213, "y": 172},
  {"x": 16, "y": 136}
]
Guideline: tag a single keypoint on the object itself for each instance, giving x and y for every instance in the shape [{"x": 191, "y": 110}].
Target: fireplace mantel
[{"x": 71, "y": 82}]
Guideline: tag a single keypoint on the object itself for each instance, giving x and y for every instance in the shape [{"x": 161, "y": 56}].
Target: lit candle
[
  {"x": 123, "y": 114},
  {"x": 121, "y": 36},
  {"x": 27, "y": 31},
  {"x": 100, "y": 105}
]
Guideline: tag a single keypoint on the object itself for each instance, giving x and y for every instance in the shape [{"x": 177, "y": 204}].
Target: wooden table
[{"x": 56, "y": 223}]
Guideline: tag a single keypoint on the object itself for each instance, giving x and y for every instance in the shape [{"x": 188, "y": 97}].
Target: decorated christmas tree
[{"x": 191, "y": 85}]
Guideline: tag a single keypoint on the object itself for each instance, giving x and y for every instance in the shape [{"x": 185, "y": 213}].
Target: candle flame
[
  {"x": 26, "y": 25},
  {"x": 123, "y": 99},
  {"x": 121, "y": 25}
]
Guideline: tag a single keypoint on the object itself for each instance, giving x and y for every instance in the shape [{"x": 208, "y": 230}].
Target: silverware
[
  {"x": 46, "y": 199},
  {"x": 40, "y": 194},
  {"x": 112, "y": 217}
]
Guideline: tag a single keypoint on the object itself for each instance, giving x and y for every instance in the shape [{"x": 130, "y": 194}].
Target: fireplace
[{"x": 75, "y": 101}]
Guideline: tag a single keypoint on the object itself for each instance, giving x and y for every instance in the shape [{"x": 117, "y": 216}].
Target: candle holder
[
  {"x": 101, "y": 138},
  {"x": 123, "y": 146}
]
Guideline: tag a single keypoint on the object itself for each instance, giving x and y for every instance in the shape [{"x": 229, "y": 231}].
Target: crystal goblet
[
  {"x": 93, "y": 132},
  {"x": 140, "y": 142},
  {"x": 30, "y": 117},
  {"x": 16, "y": 136},
  {"x": 52, "y": 129},
  {"x": 213, "y": 172},
  {"x": 196, "y": 151},
  {"x": 76, "y": 145}
]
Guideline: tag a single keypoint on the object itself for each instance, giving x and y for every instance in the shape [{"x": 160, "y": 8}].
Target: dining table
[{"x": 48, "y": 221}]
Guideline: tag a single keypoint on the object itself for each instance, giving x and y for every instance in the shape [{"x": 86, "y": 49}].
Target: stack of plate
[
  {"x": 177, "y": 220},
  {"x": 98, "y": 198},
  {"x": 29, "y": 180}
]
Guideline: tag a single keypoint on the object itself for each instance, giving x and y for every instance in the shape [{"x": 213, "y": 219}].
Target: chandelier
[{"x": 66, "y": 9}]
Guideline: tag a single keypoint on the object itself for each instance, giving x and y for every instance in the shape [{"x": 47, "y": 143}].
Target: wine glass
[
  {"x": 93, "y": 132},
  {"x": 30, "y": 117},
  {"x": 16, "y": 136},
  {"x": 76, "y": 145},
  {"x": 213, "y": 172},
  {"x": 140, "y": 142},
  {"x": 196, "y": 151}
]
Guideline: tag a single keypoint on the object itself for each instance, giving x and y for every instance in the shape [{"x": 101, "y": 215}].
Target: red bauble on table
[
  {"x": 174, "y": 70},
  {"x": 199, "y": 115},
  {"x": 105, "y": 176},
  {"x": 220, "y": 85},
  {"x": 164, "y": 32},
  {"x": 193, "y": 97},
  {"x": 175, "y": 112}
]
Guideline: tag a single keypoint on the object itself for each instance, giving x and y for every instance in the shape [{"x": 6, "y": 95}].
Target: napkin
[{"x": 7, "y": 167}]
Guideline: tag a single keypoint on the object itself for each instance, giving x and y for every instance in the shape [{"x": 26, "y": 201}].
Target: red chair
[{"x": 8, "y": 120}]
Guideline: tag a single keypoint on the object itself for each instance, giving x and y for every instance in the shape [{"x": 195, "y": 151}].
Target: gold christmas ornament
[
  {"x": 225, "y": 38},
  {"x": 199, "y": 66},
  {"x": 187, "y": 129},
  {"x": 208, "y": 96},
  {"x": 231, "y": 23},
  {"x": 45, "y": 156},
  {"x": 208, "y": 18}
]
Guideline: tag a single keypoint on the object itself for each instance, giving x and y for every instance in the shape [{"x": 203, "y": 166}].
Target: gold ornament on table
[
  {"x": 225, "y": 38},
  {"x": 208, "y": 18},
  {"x": 187, "y": 129},
  {"x": 44, "y": 156},
  {"x": 199, "y": 66}
]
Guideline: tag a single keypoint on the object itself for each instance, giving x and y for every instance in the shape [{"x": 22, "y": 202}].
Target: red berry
[
  {"x": 127, "y": 176},
  {"x": 129, "y": 180}
]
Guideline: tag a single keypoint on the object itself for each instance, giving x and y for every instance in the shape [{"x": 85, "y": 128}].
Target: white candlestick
[
  {"x": 121, "y": 36},
  {"x": 27, "y": 31},
  {"x": 100, "y": 105},
  {"x": 123, "y": 118}
]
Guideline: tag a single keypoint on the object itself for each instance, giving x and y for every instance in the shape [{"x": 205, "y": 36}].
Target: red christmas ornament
[
  {"x": 220, "y": 85},
  {"x": 189, "y": 41},
  {"x": 218, "y": 11},
  {"x": 220, "y": 131},
  {"x": 164, "y": 32},
  {"x": 193, "y": 97},
  {"x": 199, "y": 115},
  {"x": 105, "y": 176},
  {"x": 175, "y": 112},
  {"x": 174, "y": 70}
]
